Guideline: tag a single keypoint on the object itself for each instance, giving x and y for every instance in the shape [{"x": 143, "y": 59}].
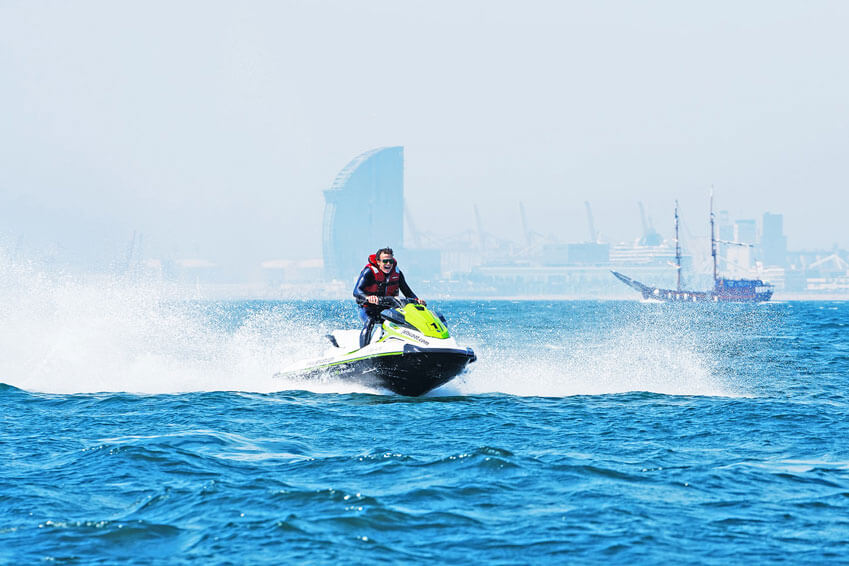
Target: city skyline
[
  {"x": 695, "y": 233},
  {"x": 217, "y": 140}
]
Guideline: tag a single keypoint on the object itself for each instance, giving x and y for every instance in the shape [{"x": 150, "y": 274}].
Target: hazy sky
[{"x": 212, "y": 128}]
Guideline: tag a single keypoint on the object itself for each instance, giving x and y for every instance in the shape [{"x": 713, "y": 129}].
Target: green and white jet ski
[{"x": 410, "y": 353}]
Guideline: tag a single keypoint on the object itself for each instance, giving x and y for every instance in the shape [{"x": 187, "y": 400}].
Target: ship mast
[
  {"x": 712, "y": 238},
  {"x": 677, "y": 250}
]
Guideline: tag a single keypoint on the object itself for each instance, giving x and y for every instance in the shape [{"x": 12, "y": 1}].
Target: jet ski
[{"x": 409, "y": 352}]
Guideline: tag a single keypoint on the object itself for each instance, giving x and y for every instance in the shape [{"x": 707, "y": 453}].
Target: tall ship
[{"x": 724, "y": 289}]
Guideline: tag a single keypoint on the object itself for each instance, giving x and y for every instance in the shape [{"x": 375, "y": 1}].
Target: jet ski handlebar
[{"x": 391, "y": 302}]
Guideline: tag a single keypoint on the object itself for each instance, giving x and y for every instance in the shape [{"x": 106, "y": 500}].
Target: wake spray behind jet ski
[{"x": 410, "y": 352}]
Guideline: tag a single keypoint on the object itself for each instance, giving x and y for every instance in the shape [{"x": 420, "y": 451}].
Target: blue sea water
[{"x": 140, "y": 430}]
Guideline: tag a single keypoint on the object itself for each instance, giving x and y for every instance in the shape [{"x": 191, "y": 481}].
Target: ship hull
[{"x": 727, "y": 291}]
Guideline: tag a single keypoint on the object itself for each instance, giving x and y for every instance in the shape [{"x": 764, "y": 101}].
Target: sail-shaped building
[{"x": 363, "y": 211}]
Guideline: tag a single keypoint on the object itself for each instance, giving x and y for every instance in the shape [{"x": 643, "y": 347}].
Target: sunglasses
[{"x": 387, "y": 261}]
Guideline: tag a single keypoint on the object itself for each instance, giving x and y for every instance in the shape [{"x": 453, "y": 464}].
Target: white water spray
[
  {"x": 657, "y": 356},
  {"x": 63, "y": 334}
]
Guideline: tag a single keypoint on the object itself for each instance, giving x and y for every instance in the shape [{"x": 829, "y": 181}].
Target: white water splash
[
  {"x": 63, "y": 334},
  {"x": 629, "y": 360}
]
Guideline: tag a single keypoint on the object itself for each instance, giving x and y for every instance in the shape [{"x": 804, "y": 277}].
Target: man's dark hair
[{"x": 384, "y": 251}]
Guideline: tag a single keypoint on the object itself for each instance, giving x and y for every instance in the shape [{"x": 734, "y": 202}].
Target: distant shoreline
[{"x": 254, "y": 292}]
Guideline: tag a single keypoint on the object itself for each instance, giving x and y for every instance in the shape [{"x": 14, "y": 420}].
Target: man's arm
[{"x": 362, "y": 282}]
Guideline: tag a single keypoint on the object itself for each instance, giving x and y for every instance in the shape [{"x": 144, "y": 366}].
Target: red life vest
[{"x": 385, "y": 285}]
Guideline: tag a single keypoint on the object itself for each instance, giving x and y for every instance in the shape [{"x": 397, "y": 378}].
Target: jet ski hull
[{"x": 411, "y": 372}]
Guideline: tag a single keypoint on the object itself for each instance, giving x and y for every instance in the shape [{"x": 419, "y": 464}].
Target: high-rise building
[
  {"x": 745, "y": 232},
  {"x": 773, "y": 241},
  {"x": 363, "y": 211}
]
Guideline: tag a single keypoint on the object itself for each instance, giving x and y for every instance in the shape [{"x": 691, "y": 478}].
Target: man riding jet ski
[
  {"x": 408, "y": 349},
  {"x": 379, "y": 278}
]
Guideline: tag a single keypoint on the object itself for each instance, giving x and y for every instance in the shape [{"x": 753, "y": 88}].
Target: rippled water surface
[{"x": 143, "y": 431}]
